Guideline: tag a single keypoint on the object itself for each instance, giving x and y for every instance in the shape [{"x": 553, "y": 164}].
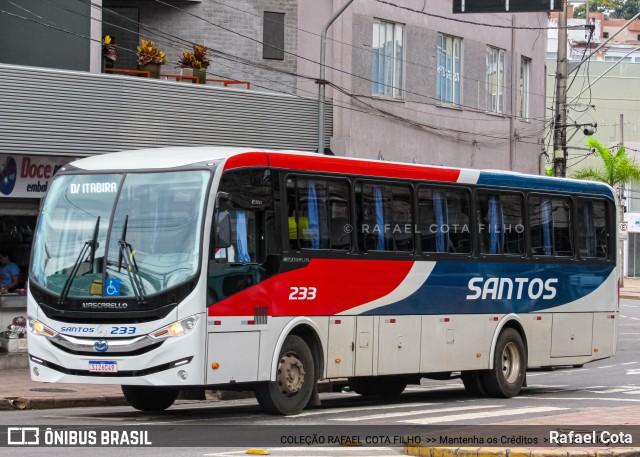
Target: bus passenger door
[{"x": 340, "y": 346}]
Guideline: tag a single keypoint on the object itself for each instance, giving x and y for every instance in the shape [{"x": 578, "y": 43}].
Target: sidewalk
[{"x": 631, "y": 289}]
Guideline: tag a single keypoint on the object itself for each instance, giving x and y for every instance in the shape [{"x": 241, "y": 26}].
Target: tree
[
  {"x": 618, "y": 169},
  {"x": 600, "y": 6}
]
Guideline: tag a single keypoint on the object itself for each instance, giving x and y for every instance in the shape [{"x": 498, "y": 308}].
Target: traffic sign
[
  {"x": 505, "y": 6},
  {"x": 624, "y": 227}
]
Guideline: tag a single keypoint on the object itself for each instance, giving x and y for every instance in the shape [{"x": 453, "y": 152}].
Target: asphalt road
[{"x": 609, "y": 383}]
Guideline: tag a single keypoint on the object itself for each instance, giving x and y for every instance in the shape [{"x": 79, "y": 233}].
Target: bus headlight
[
  {"x": 39, "y": 328},
  {"x": 178, "y": 328}
]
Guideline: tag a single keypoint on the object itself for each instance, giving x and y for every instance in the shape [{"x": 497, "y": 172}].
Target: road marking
[
  {"x": 528, "y": 397},
  {"x": 634, "y": 371},
  {"x": 606, "y": 366},
  {"x": 630, "y": 306},
  {"x": 484, "y": 415},
  {"x": 629, "y": 317},
  {"x": 366, "y": 408},
  {"x": 414, "y": 413},
  {"x": 628, "y": 363}
]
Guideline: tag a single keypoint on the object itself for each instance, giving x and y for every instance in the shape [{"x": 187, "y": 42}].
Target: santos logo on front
[{"x": 507, "y": 288}]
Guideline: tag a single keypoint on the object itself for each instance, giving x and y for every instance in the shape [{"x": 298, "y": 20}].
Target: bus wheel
[
  {"x": 509, "y": 366},
  {"x": 292, "y": 389},
  {"x": 147, "y": 398},
  {"x": 472, "y": 381}
]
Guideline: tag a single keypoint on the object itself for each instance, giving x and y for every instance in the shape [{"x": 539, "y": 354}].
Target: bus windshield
[{"x": 119, "y": 235}]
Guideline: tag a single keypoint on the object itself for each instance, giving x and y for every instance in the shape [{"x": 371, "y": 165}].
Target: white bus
[{"x": 189, "y": 268}]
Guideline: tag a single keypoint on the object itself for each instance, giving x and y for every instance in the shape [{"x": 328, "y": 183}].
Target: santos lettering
[{"x": 507, "y": 288}]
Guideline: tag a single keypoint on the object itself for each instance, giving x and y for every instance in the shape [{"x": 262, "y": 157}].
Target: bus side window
[
  {"x": 443, "y": 220},
  {"x": 551, "y": 226},
  {"x": 385, "y": 219},
  {"x": 592, "y": 228},
  {"x": 500, "y": 224},
  {"x": 317, "y": 213}
]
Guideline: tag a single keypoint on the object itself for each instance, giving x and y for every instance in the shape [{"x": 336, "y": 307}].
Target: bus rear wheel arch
[
  {"x": 150, "y": 398},
  {"x": 507, "y": 375},
  {"x": 290, "y": 393}
]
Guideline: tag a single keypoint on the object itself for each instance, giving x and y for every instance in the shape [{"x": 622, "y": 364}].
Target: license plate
[{"x": 103, "y": 366}]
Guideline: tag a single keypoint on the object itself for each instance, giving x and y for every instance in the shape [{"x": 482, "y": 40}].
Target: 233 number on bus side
[{"x": 303, "y": 293}]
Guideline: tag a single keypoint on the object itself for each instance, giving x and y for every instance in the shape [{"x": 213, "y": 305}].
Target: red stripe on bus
[
  {"x": 247, "y": 159},
  {"x": 362, "y": 167},
  {"x": 325, "y": 287}
]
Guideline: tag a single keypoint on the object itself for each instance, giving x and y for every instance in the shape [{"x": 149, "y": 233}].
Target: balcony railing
[{"x": 192, "y": 79}]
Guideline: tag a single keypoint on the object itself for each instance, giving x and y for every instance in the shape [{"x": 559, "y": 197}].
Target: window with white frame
[
  {"x": 524, "y": 89},
  {"x": 449, "y": 62},
  {"x": 495, "y": 80},
  {"x": 387, "y": 66}
]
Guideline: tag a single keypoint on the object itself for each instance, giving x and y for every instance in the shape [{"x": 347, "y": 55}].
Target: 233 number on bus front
[{"x": 303, "y": 293}]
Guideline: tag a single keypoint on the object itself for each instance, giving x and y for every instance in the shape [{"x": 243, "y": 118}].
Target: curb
[
  {"x": 22, "y": 403},
  {"x": 629, "y": 296},
  {"x": 519, "y": 452}
]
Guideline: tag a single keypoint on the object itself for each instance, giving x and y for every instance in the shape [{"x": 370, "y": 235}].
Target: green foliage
[
  {"x": 624, "y": 9},
  {"x": 548, "y": 170},
  {"x": 618, "y": 167}
]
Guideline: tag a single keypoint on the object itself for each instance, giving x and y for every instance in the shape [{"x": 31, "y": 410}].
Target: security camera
[{"x": 588, "y": 131}]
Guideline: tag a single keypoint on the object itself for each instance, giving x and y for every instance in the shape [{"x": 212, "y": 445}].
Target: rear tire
[
  {"x": 295, "y": 379},
  {"x": 506, "y": 378},
  {"x": 472, "y": 381},
  {"x": 148, "y": 398}
]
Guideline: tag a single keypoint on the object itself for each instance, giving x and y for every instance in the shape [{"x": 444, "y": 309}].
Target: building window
[
  {"x": 449, "y": 65},
  {"x": 495, "y": 80},
  {"x": 273, "y": 36},
  {"x": 524, "y": 88},
  {"x": 387, "y": 67}
]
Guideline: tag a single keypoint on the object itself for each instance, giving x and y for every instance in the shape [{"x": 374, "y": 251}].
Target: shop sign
[{"x": 23, "y": 176}]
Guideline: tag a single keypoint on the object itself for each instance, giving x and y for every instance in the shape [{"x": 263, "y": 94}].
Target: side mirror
[{"x": 223, "y": 230}]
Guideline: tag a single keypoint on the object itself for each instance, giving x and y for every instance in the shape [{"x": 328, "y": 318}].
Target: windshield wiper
[
  {"x": 126, "y": 254},
  {"x": 89, "y": 246}
]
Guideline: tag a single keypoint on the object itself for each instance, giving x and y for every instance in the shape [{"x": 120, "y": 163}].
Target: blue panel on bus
[
  {"x": 492, "y": 287},
  {"x": 541, "y": 183}
]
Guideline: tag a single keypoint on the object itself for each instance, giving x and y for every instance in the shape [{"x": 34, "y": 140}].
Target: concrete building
[{"x": 408, "y": 83}]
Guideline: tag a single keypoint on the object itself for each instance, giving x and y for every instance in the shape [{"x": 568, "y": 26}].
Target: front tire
[
  {"x": 295, "y": 379},
  {"x": 146, "y": 398},
  {"x": 506, "y": 378}
]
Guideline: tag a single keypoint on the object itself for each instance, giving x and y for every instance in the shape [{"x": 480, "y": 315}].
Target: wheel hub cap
[
  {"x": 290, "y": 374},
  {"x": 510, "y": 363}
]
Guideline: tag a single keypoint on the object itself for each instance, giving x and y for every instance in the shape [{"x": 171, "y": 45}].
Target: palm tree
[{"x": 618, "y": 170}]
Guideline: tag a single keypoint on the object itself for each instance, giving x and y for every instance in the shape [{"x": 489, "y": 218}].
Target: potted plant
[
  {"x": 108, "y": 52},
  {"x": 150, "y": 58},
  {"x": 195, "y": 63}
]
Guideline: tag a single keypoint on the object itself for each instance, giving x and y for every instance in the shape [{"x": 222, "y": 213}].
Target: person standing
[{"x": 9, "y": 272}]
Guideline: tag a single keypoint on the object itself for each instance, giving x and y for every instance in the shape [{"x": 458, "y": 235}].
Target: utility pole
[
  {"x": 560, "y": 121},
  {"x": 621, "y": 206}
]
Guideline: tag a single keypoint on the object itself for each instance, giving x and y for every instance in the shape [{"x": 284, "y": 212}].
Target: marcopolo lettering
[
  {"x": 507, "y": 288},
  {"x": 104, "y": 305}
]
